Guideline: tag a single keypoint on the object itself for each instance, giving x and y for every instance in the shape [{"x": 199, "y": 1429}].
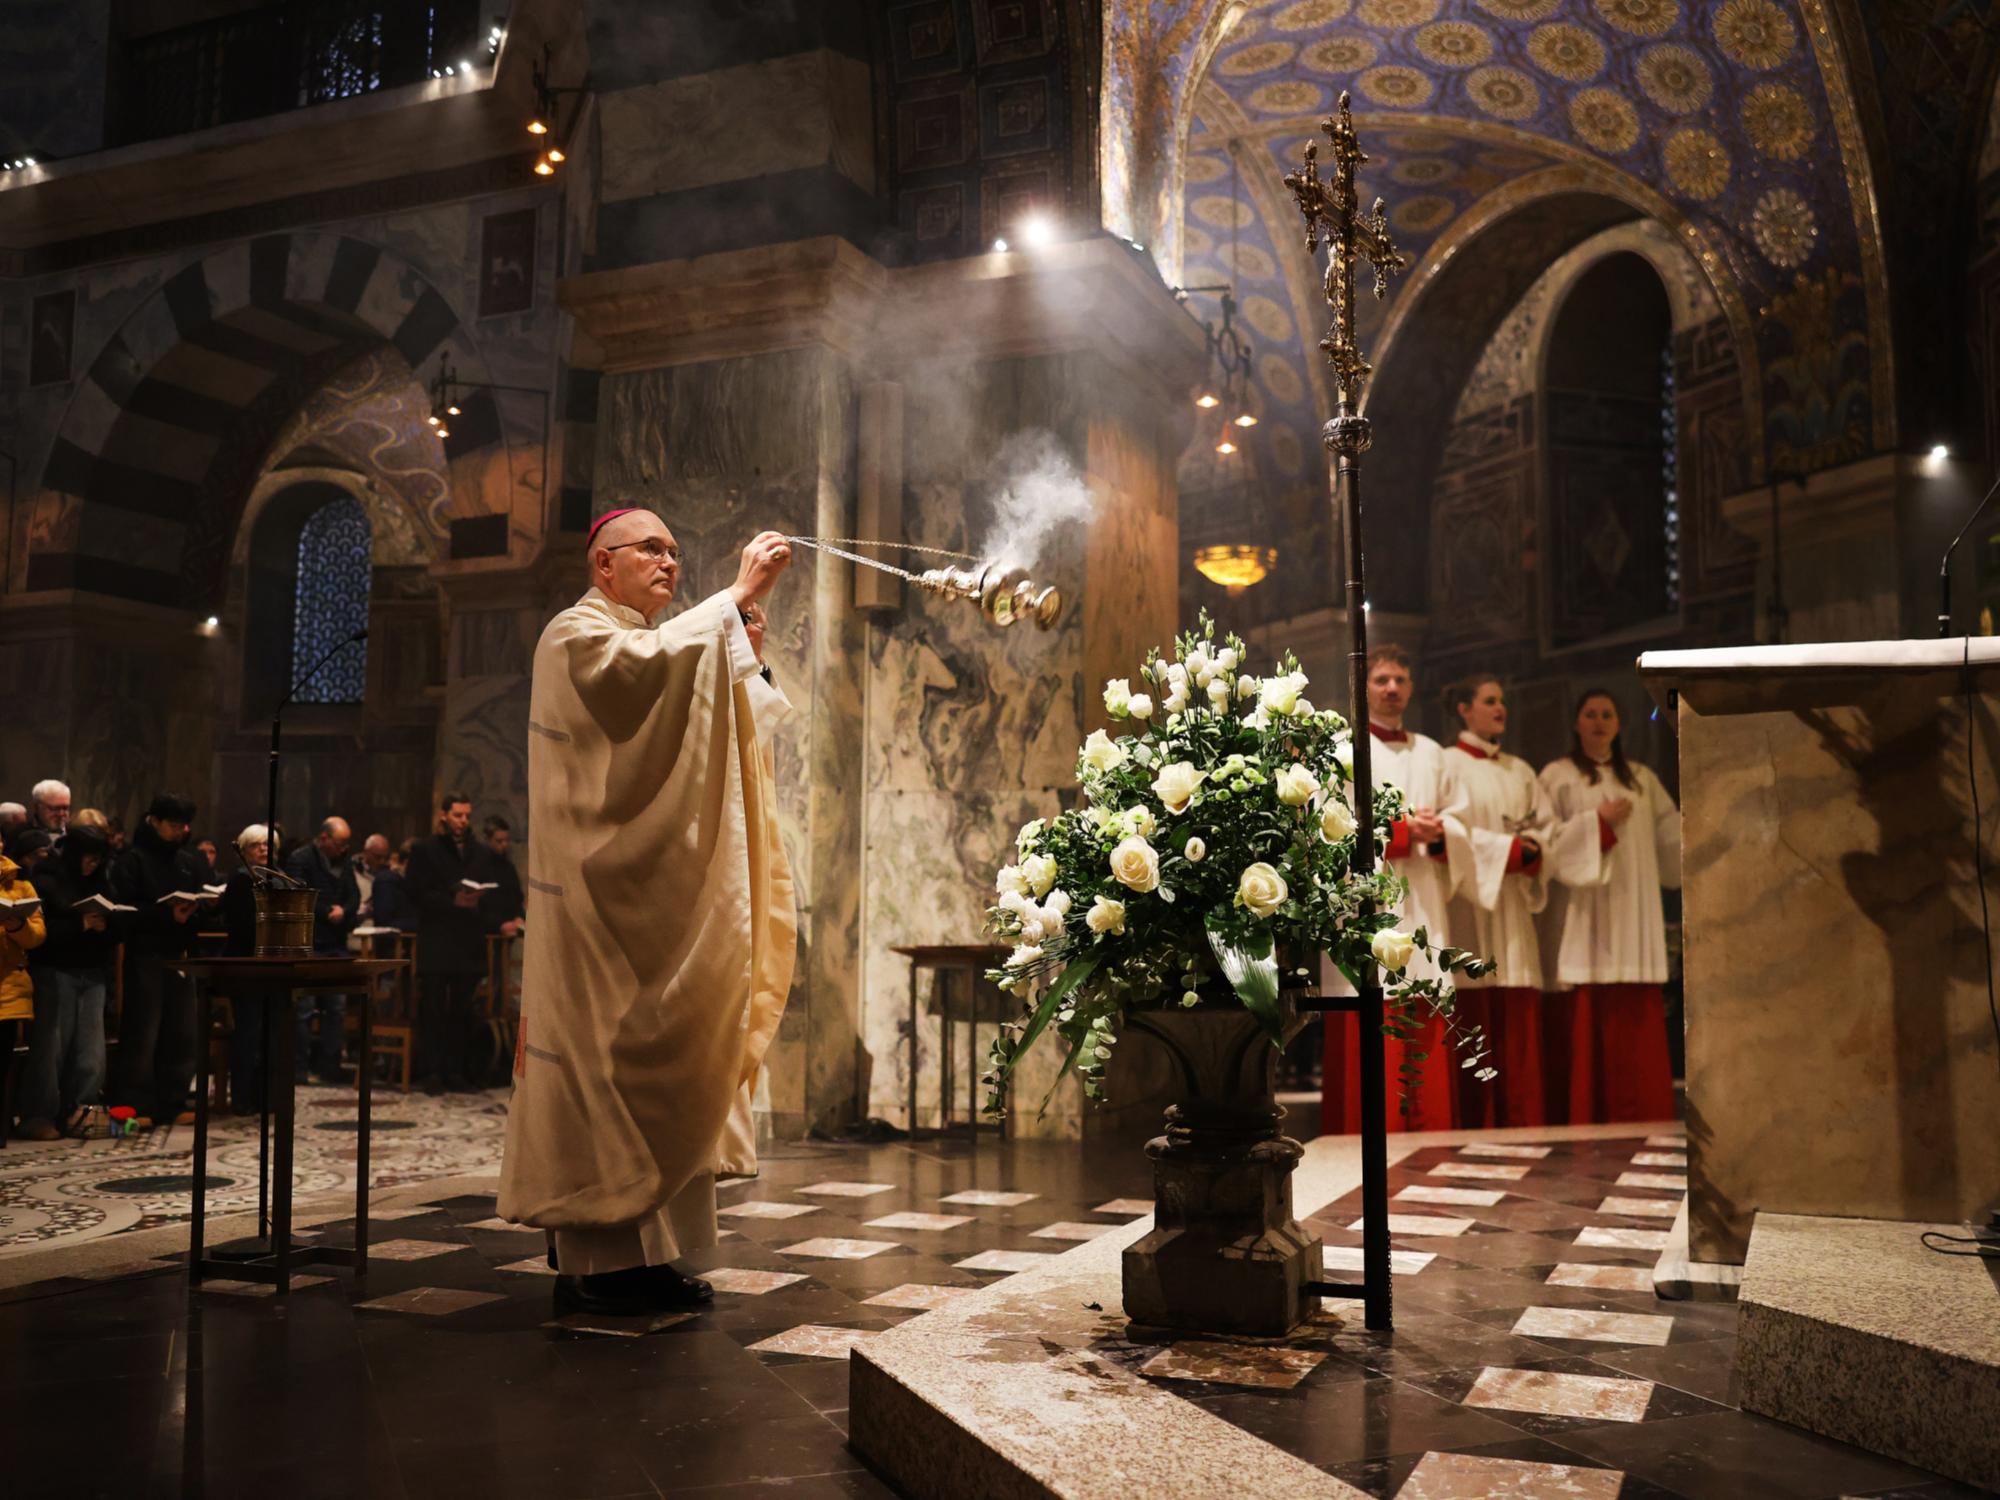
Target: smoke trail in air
[{"x": 1035, "y": 489}]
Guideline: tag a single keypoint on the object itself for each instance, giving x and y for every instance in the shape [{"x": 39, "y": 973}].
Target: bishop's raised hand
[{"x": 768, "y": 555}]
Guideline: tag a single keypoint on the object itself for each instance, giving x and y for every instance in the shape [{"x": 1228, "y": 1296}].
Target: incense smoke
[{"x": 1035, "y": 489}]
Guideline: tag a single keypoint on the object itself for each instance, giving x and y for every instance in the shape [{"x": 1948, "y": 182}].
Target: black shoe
[
  {"x": 432, "y": 1085},
  {"x": 674, "y": 1292},
  {"x": 617, "y": 1294}
]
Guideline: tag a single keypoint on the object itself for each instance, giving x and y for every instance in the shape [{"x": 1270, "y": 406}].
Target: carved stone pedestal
[{"x": 1225, "y": 1254}]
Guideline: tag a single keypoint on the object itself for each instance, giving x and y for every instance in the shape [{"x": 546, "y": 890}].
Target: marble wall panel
[{"x": 1840, "y": 1056}]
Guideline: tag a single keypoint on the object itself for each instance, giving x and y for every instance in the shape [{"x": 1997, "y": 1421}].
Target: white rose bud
[
  {"x": 1033, "y": 929},
  {"x": 1030, "y": 831},
  {"x": 1248, "y": 686},
  {"x": 1279, "y": 695},
  {"x": 1176, "y": 785},
  {"x": 1196, "y": 851},
  {"x": 1297, "y": 786},
  {"x": 1010, "y": 879},
  {"x": 1118, "y": 697},
  {"x": 1261, "y": 890},
  {"x": 1139, "y": 820},
  {"x": 1392, "y": 949},
  {"x": 1057, "y": 905},
  {"x": 1135, "y": 865},
  {"x": 1102, "y": 753},
  {"x": 1335, "y": 821},
  {"x": 1176, "y": 673},
  {"x": 1105, "y": 915},
  {"x": 1141, "y": 706},
  {"x": 1040, "y": 872},
  {"x": 1218, "y": 694},
  {"x": 1015, "y": 901},
  {"x": 1177, "y": 699},
  {"x": 1027, "y": 953},
  {"x": 1225, "y": 659}
]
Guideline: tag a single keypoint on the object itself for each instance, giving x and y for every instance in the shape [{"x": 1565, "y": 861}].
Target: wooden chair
[
  {"x": 394, "y": 1005},
  {"x": 497, "y": 1018}
]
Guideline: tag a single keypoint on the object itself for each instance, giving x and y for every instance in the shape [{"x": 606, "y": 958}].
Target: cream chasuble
[
  {"x": 1611, "y": 929},
  {"x": 661, "y": 951}
]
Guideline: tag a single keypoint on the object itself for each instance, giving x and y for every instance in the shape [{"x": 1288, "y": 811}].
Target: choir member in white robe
[
  {"x": 1611, "y": 949},
  {"x": 1414, "y": 764},
  {"x": 1501, "y": 843},
  {"x": 661, "y": 953}
]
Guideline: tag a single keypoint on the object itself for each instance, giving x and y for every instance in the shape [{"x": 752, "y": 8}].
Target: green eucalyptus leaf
[{"x": 1250, "y": 964}]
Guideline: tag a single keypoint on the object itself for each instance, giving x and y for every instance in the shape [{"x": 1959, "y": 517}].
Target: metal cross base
[{"x": 1373, "y": 1288}]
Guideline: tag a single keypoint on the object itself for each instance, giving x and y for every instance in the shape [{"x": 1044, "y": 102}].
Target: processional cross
[{"x": 1332, "y": 213}]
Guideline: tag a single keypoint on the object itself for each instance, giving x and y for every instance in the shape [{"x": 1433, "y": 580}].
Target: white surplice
[
  {"x": 1415, "y": 768},
  {"x": 1612, "y": 928}
]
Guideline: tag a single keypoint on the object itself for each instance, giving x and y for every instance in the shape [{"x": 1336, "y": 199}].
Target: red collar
[
  {"x": 1388, "y": 736},
  {"x": 1477, "y": 752}
]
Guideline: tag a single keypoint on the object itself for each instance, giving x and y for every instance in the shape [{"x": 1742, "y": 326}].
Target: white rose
[
  {"x": 1027, "y": 953},
  {"x": 1057, "y": 906},
  {"x": 1135, "y": 865},
  {"x": 1279, "y": 695},
  {"x": 1335, "y": 821},
  {"x": 1176, "y": 785},
  {"x": 1196, "y": 851},
  {"x": 1225, "y": 659},
  {"x": 1176, "y": 673},
  {"x": 1010, "y": 879},
  {"x": 1014, "y": 901},
  {"x": 1392, "y": 949},
  {"x": 1033, "y": 929},
  {"x": 1141, "y": 706},
  {"x": 1248, "y": 686},
  {"x": 1260, "y": 719},
  {"x": 1139, "y": 820},
  {"x": 1118, "y": 697},
  {"x": 1040, "y": 872},
  {"x": 1297, "y": 786},
  {"x": 1261, "y": 889},
  {"x": 1102, "y": 753},
  {"x": 1218, "y": 694},
  {"x": 1177, "y": 699},
  {"x": 1344, "y": 752},
  {"x": 1196, "y": 661},
  {"x": 1105, "y": 915}
]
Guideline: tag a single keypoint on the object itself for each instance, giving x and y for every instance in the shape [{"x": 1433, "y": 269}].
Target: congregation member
[
  {"x": 1501, "y": 844},
  {"x": 1608, "y": 1028},
  {"x": 1414, "y": 764},
  {"x": 445, "y": 870},
  {"x": 156, "y": 1033},
  {"x": 505, "y": 908},
  {"x": 30, "y": 848},
  {"x": 20, "y": 934},
  {"x": 661, "y": 952},
  {"x": 390, "y": 902},
  {"x": 239, "y": 920},
  {"x": 373, "y": 859},
  {"x": 323, "y": 865},
  {"x": 13, "y": 818},
  {"x": 50, "y": 802},
  {"x": 204, "y": 847},
  {"x": 62, "y": 1085},
  {"x": 93, "y": 817}
]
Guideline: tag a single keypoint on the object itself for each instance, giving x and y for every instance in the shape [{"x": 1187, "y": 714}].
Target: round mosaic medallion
[
  {"x": 1269, "y": 319},
  {"x": 1675, "y": 79},
  {"x": 1518, "y": 10},
  {"x": 1340, "y": 54},
  {"x": 1394, "y": 13},
  {"x": 1755, "y": 33},
  {"x": 1605, "y": 119},
  {"x": 1289, "y": 98},
  {"x": 1287, "y": 450},
  {"x": 1195, "y": 241},
  {"x": 1454, "y": 44},
  {"x": 1221, "y": 212},
  {"x": 1304, "y": 15},
  {"x": 1640, "y": 17},
  {"x": 1396, "y": 86},
  {"x": 1784, "y": 228},
  {"x": 1422, "y": 214},
  {"x": 1504, "y": 93},
  {"x": 1566, "y": 52},
  {"x": 1779, "y": 123},
  {"x": 1281, "y": 380},
  {"x": 1696, "y": 163},
  {"x": 1204, "y": 169},
  {"x": 1251, "y": 262},
  {"x": 1259, "y": 57},
  {"x": 1423, "y": 171}
]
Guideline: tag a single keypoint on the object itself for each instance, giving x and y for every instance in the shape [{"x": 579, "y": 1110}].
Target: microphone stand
[
  {"x": 277, "y": 733},
  {"x": 1944, "y": 566}
]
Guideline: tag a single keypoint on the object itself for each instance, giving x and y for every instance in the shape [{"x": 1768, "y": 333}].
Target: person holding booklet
[
  {"x": 63, "y": 1083},
  {"x": 21, "y": 930},
  {"x": 161, "y": 878},
  {"x": 449, "y": 872}
]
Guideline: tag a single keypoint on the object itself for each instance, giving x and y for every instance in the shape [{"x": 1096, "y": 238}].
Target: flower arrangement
[{"x": 1214, "y": 837}]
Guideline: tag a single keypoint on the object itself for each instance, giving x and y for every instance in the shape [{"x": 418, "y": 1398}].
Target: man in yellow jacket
[{"x": 18, "y": 933}]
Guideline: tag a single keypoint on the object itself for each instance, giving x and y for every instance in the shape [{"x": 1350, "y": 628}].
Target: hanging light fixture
[
  {"x": 1235, "y": 567},
  {"x": 1225, "y": 380},
  {"x": 545, "y": 120}
]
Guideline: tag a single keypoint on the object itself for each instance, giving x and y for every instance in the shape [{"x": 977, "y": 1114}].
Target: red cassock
[{"x": 1411, "y": 763}]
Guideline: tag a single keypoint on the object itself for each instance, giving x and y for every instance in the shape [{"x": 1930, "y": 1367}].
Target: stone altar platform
[
  {"x": 1852, "y": 1329},
  {"x": 1840, "y": 1054}
]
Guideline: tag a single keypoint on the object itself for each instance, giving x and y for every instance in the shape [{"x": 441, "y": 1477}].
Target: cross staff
[
  {"x": 1351, "y": 236},
  {"x": 1330, "y": 212}
]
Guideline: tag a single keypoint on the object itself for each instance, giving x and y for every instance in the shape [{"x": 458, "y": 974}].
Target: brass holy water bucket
[{"x": 285, "y": 922}]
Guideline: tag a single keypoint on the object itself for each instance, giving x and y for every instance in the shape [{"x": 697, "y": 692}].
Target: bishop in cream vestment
[{"x": 659, "y": 948}]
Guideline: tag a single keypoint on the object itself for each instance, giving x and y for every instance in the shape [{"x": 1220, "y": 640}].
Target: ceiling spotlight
[
  {"x": 1940, "y": 453},
  {"x": 443, "y": 431},
  {"x": 1246, "y": 420},
  {"x": 453, "y": 411},
  {"x": 556, "y": 154},
  {"x": 999, "y": 247},
  {"x": 465, "y": 67},
  {"x": 1207, "y": 399},
  {"x": 1225, "y": 447},
  {"x": 538, "y": 126},
  {"x": 211, "y": 622},
  {"x": 543, "y": 168},
  {"x": 28, "y": 161},
  {"x": 434, "y": 419},
  {"x": 1038, "y": 230}
]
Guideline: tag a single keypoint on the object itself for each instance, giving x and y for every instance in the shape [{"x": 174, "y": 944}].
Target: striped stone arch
[{"x": 166, "y": 433}]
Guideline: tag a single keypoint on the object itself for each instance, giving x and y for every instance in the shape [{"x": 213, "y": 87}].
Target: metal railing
[{"x": 283, "y": 57}]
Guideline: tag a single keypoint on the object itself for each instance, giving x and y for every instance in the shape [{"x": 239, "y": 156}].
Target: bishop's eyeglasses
[{"x": 652, "y": 549}]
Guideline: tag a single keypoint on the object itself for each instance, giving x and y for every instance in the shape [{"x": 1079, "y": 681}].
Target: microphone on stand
[
  {"x": 277, "y": 730},
  {"x": 1944, "y": 566}
]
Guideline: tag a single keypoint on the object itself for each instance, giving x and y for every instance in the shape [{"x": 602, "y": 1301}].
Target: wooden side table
[
  {"x": 956, "y": 966},
  {"x": 267, "y": 982}
]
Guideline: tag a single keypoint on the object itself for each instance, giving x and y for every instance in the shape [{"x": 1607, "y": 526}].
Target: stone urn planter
[{"x": 1225, "y": 1254}]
